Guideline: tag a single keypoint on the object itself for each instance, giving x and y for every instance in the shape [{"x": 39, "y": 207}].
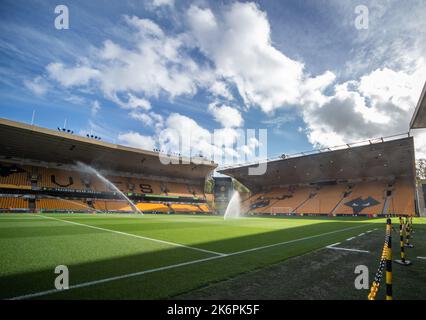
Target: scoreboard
[{"x": 223, "y": 190}]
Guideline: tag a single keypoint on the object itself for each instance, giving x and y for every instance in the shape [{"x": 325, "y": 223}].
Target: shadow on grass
[{"x": 161, "y": 284}]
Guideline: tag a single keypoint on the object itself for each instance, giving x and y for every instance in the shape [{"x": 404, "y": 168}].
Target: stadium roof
[
  {"x": 419, "y": 117},
  {"x": 23, "y": 141},
  {"x": 374, "y": 159}
]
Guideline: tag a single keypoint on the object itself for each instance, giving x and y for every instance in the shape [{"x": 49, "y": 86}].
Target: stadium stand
[
  {"x": 363, "y": 191},
  {"x": 13, "y": 203},
  {"x": 402, "y": 198},
  {"x": 61, "y": 204},
  {"x": 112, "y": 206},
  {"x": 370, "y": 178},
  {"x": 14, "y": 176},
  {"x": 204, "y": 208},
  {"x": 326, "y": 199},
  {"x": 43, "y": 165},
  {"x": 185, "y": 208},
  {"x": 153, "y": 207}
]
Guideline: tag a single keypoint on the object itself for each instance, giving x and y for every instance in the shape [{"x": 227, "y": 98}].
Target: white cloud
[
  {"x": 145, "y": 27},
  {"x": 184, "y": 135},
  {"x": 237, "y": 49},
  {"x": 150, "y": 119},
  {"x": 151, "y": 63},
  {"x": 380, "y": 104},
  {"x": 239, "y": 43},
  {"x": 135, "y": 103},
  {"x": 95, "y": 107},
  {"x": 237, "y": 52},
  {"x": 74, "y": 76},
  {"x": 159, "y": 3},
  {"x": 136, "y": 140},
  {"x": 38, "y": 85},
  {"x": 420, "y": 143},
  {"x": 227, "y": 116},
  {"x": 220, "y": 89}
]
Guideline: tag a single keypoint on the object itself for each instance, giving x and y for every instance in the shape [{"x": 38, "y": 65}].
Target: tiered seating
[
  {"x": 121, "y": 183},
  {"x": 197, "y": 191},
  {"x": 62, "y": 179},
  {"x": 81, "y": 181},
  {"x": 204, "y": 208},
  {"x": 100, "y": 205},
  {"x": 14, "y": 176},
  {"x": 13, "y": 203},
  {"x": 97, "y": 184},
  {"x": 185, "y": 208},
  {"x": 402, "y": 199},
  {"x": 59, "y": 204},
  {"x": 159, "y": 207},
  {"x": 178, "y": 189},
  {"x": 146, "y": 186},
  {"x": 149, "y": 207},
  {"x": 117, "y": 205},
  {"x": 246, "y": 203},
  {"x": 333, "y": 198},
  {"x": 286, "y": 199},
  {"x": 324, "y": 201},
  {"x": 363, "y": 190}
]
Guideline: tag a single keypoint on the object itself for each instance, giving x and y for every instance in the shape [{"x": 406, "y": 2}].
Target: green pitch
[{"x": 119, "y": 256}]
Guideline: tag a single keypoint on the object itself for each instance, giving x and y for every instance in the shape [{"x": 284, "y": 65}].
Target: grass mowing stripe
[
  {"x": 136, "y": 236},
  {"x": 125, "y": 276}
]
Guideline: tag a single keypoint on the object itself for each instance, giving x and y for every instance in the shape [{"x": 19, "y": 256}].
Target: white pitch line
[
  {"x": 136, "y": 236},
  {"x": 125, "y": 276},
  {"x": 333, "y": 246},
  {"x": 347, "y": 249},
  {"x": 351, "y": 238},
  {"x": 424, "y": 258},
  {"x": 361, "y": 234}
]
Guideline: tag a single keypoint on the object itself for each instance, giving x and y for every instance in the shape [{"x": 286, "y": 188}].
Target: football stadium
[
  {"x": 129, "y": 227},
  {"x": 113, "y": 205}
]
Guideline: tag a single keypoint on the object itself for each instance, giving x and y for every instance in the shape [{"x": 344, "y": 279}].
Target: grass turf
[{"x": 32, "y": 246}]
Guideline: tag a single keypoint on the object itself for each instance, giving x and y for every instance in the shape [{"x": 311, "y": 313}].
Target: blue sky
[{"x": 136, "y": 72}]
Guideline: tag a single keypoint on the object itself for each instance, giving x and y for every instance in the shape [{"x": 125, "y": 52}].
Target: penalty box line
[
  {"x": 135, "y": 274},
  {"x": 136, "y": 236}
]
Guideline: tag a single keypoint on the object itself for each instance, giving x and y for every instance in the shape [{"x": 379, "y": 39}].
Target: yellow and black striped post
[
  {"x": 402, "y": 261},
  {"x": 389, "y": 260},
  {"x": 385, "y": 261},
  {"x": 408, "y": 230}
]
